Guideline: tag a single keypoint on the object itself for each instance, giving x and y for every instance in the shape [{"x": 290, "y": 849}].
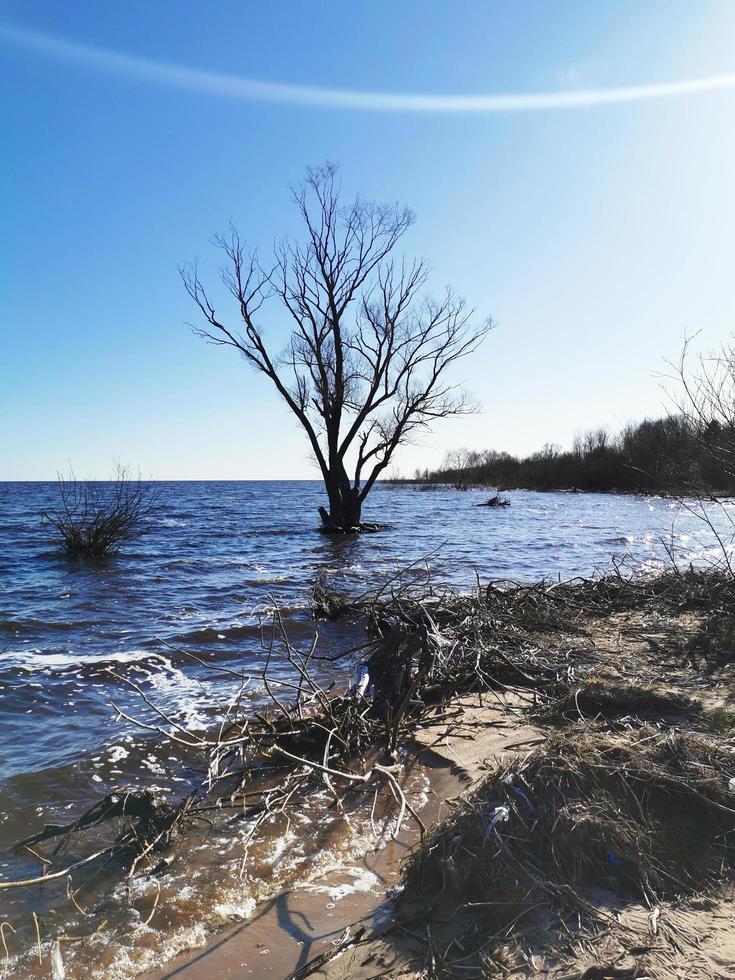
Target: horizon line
[{"x": 253, "y": 90}]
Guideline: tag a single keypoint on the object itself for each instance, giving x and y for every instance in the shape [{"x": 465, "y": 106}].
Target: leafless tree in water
[
  {"x": 93, "y": 517},
  {"x": 367, "y": 363}
]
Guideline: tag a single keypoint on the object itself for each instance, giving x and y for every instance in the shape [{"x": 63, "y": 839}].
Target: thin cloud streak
[{"x": 251, "y": 90}]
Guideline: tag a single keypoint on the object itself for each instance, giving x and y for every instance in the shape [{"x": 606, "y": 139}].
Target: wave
[
  {"x": 293, "y": 617},
  {"x": 41, "y": 660},
  {"x": 31, "y": 625}
]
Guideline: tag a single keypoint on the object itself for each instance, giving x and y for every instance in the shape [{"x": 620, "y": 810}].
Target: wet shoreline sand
[{"x": 298, "y": 925}]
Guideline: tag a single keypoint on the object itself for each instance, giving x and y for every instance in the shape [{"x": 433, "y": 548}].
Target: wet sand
[{"x": 293, "y": 928}]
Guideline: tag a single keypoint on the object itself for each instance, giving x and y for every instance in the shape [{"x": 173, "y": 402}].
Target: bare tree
[
  {"x": 703, "y": 415},
  {"x": 366, "y": 365},
  {"x": 459, "y": 462},
  {"x": 704, "y": 408}
]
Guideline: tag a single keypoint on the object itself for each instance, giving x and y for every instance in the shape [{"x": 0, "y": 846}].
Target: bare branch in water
[{"x": 94, "y": 518}]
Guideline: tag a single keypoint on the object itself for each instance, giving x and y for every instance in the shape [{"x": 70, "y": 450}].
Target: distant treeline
[{"x": 656, "y": 456}]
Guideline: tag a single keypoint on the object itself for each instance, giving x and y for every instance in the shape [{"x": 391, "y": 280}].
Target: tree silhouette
[{"x": 366, "y": 365}]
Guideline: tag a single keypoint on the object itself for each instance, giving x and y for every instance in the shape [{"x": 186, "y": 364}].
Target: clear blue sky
[{"x": 596, "y": 236}]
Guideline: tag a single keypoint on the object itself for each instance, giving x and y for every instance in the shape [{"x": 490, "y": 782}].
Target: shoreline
[
  {"x": 300, "y": 924},
  {"x": 364, "y": 938},
  {"x": 487, "y": 681}
]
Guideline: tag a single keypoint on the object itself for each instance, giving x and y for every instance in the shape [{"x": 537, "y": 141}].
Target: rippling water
[{"x": 220, "y": 556}]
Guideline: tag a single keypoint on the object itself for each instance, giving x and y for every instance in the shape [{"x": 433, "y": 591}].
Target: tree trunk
[
  {"x": 352, "y": 509},
  {"x": 345, "y": 506}
]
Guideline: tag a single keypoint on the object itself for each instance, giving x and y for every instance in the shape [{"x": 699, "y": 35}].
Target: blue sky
[{"x": 596, "y": 236}]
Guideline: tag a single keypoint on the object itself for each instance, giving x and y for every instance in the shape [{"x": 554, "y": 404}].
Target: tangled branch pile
[
  {"x": 433, "y": 643},
  {"x": 149, "y": 824}
]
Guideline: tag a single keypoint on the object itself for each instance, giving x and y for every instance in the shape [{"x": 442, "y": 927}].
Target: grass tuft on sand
[
  {"x": 648, "y": 812},
  {"x": 644, "y": 815}
]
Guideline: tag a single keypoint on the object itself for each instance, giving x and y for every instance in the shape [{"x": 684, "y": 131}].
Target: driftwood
[
  {"x": 495, "y": 501},
  {"x": 151, "y": 824},
  {"x": 329, "y": 527},
  {"x": 346, "y": 942},
  {"x": 142, "y": 805}
]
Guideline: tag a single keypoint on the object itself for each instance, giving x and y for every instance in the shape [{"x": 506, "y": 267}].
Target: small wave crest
[{"x": 36, "y": 659}]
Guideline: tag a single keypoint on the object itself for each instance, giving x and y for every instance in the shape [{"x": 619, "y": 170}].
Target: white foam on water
[
  {"x": 153, "y": 765},
  {"x": 181, "y": 693},
  {"x": 281, "y": 845},
  {"x": 134, "y": 960},
  {"x": 363, "y": 880},
  {"x": 235, "y": 911},
  {"x": 37, "y": 660}
]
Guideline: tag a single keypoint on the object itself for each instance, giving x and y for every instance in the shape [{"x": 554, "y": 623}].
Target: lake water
[{"x": 219, "y": 557}]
